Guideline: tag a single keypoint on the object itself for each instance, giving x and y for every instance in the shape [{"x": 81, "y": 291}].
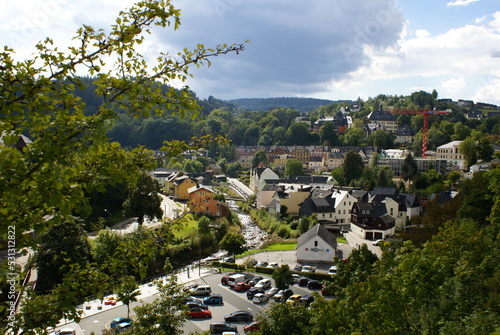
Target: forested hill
[{"x": 303, "y": 105}]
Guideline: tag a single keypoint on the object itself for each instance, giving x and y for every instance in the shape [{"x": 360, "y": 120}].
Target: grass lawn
[
  {"x": 282, "y": 246},
  {"x": 341, "y": 239}
]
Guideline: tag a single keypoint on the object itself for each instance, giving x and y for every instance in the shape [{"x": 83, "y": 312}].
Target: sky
[{"x": 328, "y": 49}]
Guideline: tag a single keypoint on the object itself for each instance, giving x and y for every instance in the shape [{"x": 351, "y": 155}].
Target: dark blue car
[
  {"x": 117, "y": 321},
  {"x": 214, "y": 299}
]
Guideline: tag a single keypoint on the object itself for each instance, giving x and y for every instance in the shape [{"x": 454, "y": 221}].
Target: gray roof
[{"x": 318, "y": 230}]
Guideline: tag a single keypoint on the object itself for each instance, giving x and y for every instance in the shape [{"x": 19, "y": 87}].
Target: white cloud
[
  {"x": 460, "y": 3},
  {"x": 454, "y": 85},
  {"x": 447, "y": 62}
]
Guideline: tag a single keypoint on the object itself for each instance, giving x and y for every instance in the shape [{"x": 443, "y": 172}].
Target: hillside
[{"x": 303, "y": 105}]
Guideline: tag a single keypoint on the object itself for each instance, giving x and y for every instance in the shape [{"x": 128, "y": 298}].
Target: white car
[
  {"x": 332, "y": 270},
  {"x": 263, "y": 284},
  {"x": 308, "y": 268},
  {"x": 259, "y": 298},
  {"x": 377, "y": 242},
  {"x": 272, "y": 291},
  {"x": 296, "y": 277},
  {"x": 273, "y": 265}
]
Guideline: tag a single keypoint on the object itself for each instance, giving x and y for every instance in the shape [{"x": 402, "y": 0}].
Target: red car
[
  {"x": 240, "y": 287},
  {"x": 110, "y": 302},
  {"x": 224, "y": 279},
  {"x": 252, "y": 326},
  {"x": 199, "y": 313}
]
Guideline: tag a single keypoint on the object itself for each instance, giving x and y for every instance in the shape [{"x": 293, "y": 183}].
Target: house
[
  {"x": 213, "y": 169},
  {"x": 404, "y": 135},
  {"x": 181, "y": 186},
  {"x": 259, "y": 175},
  {"x": 321, "y": 207},
  {"x": 267, "y": 195},
  {"x": 450, "y": 152},
  {"x": 343, "y": 201},
  {"x": 201, "y": 200},
  {"x": 371, "y": 221},
  {"x": 381, "y": 119},
  {"x": 317, "y": 245}
]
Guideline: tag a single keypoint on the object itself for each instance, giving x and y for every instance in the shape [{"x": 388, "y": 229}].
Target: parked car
[
  {"x": 199, "y": 313},
  {"x": 117, "y": 321},
  {"x": 229, "y": 259},
  {"x": 308, "y": 268},
  {"x": 122, "y": 327},
  {"x": 239, "y": 316},
  {"x": 303, "y": 281},
  {"x": 224, "y": 279},
  {"x": 297, "y": 268},
  {"x": 294, "y": 299},
  {"x": 242, "y": 286},
  {"x": 377, "y": 242},
  {"x": 296, "y": 277},
  {"x": 253, "y": 291},
  {"x": 273, "y": 265},
  {"x": 264, "y": 283},
  {"x": 272, "y": 291},
  {"x": 193, "y": 299},
  {"x": 214, "y": 299},
  {"x": 254, "y": 326},
  {"x": 260, "y": 298},
  {"x": 261, "y": 263},
  {"x": 189, "y": 287},
  {"x": 196, "y": 305},
  {"x": 66, "y": 331},
  {"x": 255, "y": 280},
  {"x": 201, "y": 290},
  {"x": 283, "y": 295},
  {"x": 110, "y": 302},
  {"x": 306, "y": 300},
  {"x": 314, "y": 285},
  {"x": 220, "y": 327},
  {"x": 332, "y": 270}
]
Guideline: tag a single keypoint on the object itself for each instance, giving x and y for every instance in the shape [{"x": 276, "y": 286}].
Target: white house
[
  {"x": 343, "y": 205},
  {"x": 317, "y": 245}
]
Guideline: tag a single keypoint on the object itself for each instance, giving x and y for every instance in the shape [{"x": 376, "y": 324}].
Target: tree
[
  {"x": 353, "y": 166},
  {"x": 165, "y": 315},
  {"x": 354, "y": 137},
  {"x": 233, "y": 243},
  {"x": 61, "y": 247},
  {"x": 484, "y": 149},
  {"x": 294, "y": 168},
  {"x": 283, "y": 319},
  {"x": 259, "y": 157},
  {"x": 328, "y": 134},
  {"x": 409, "y": 169},
  {"x": 144, "y": 200},
  {"x": 69, "y": 155},
  {"x": 468, "y": 149},
  {"x": 282, "y": 277},
  {"x": 127, "y": 292},
  {"x": 298, "y": 134}
]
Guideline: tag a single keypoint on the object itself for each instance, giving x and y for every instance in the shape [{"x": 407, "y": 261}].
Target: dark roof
[
  {"x": 405, "y": 130},
  {"x": 380, "y": 115},
  {"x": 318, "y": 230},
  {"x": 385, "y": 190}
]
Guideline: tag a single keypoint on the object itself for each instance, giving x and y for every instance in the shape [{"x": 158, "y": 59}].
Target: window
[
  {"x": 208, "y": 209},
  {"x": 315, "y": 243}
]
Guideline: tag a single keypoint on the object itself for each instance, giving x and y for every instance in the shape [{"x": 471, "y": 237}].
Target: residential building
[
  {"x": 371, "y": 221},
  {"x": 182, "y": 185},
  {"x": 450, "y": 152},
  {"x": 316, "y": 246},
  {"x": 201, "y": 200}
]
